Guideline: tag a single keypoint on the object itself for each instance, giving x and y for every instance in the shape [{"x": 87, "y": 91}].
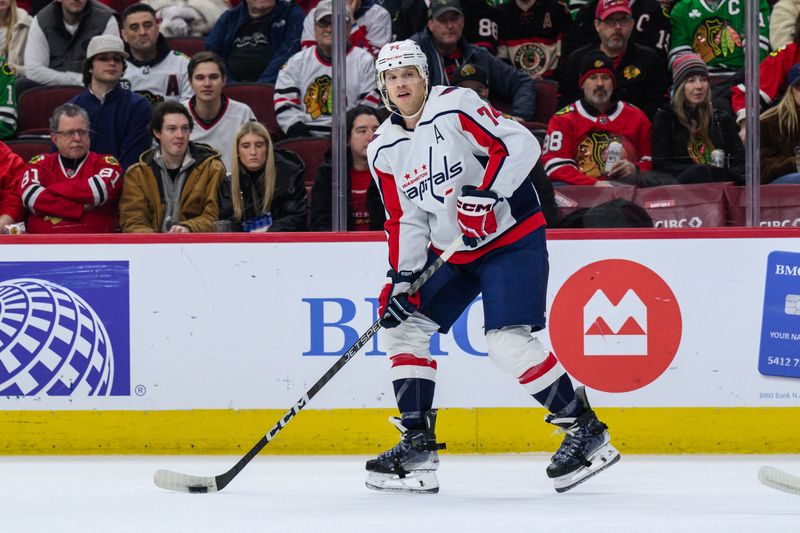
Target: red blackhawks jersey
[
  {"x": 60, "y": 200},
  {"x": 772, "y": 78},
  {"x": 459, "y": 140},
  {"x": 531, "y": 40},
  {"x": 576, "y": 143}
]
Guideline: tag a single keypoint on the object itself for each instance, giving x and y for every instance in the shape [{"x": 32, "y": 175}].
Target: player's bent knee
[
  {"x": 412, "y": 336},
  {"x": 514, "y": 349}
]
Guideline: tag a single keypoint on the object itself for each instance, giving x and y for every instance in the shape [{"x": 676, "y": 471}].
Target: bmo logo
[{"x": 615, "y": 325}]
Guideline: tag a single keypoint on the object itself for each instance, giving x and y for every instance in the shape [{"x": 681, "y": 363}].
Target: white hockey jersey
[
  {"x": 370, "y": 31},
  {"x": 459, "y": 140},
  {"x": 221, "y": 133},
  {"x": 165, "y": 80},
  {"x": 303, "y": 91}
]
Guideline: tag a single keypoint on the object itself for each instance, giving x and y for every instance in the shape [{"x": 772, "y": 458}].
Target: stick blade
[
  {"x": 168, "y": 480},
  {"x": 778, "y": 479}
]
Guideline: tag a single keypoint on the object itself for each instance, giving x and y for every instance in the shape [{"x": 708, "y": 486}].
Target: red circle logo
[{"x": 615, "y": 325}]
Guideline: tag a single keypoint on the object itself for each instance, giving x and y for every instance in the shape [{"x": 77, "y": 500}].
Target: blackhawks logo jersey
[
  {"x": 304, "y": 89},
  {"x": 715, "y": 34},
  {"x": 576, "y": 143},
  {"x": 531, "y": 40},
  {"x": 62, "y": 200}
]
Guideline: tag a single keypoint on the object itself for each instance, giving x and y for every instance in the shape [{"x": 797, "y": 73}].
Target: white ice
[{"x": 494, "y": 493}]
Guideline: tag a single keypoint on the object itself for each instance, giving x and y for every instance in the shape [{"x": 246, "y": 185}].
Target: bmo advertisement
[{"x": 702, "y": 318}]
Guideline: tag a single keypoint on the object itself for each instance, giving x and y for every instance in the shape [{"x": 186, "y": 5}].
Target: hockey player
[
  {"x": 304, "y": 90},
  {"x": 73, "y": 190},
  {"x": 447, "y": 164},
  {"x": 154, "y": 70},
  {"x": 576, "y": 144}
]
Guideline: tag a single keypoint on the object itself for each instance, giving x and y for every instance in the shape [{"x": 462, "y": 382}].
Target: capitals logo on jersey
[
  {"x": 592, "y": 152},
  {"x": 715, "y": 37},
  {"x": 318, "y": 99},
  {"x": 431, "y": 177}
]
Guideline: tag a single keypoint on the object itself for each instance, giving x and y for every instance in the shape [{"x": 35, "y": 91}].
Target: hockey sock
[
  {"x": 414, "y": 381},
  {"x": 560, "y": 397}
]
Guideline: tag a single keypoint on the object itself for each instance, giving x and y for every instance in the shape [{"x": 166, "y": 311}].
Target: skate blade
[
  {"x": 419, "y": 481},
  {"x": 604, "y": 457}
]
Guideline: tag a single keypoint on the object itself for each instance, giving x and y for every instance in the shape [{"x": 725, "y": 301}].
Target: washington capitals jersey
[
  {"x": 772, "y": 78},
  {"x": 716, "y": 34},
  {"x": 531, "y": 40},
  {"x": 61, "y": 200},
  {"x": 459, "y": 140},
  {"x": 166, "y": 80},
  {"x": 576, "y": 143},
  {"x": 304, "y": 89}
]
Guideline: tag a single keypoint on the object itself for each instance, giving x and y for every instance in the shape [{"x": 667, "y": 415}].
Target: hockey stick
[
  {"x": 778, "y": 479},
  {"x": 169, "y": 480}
]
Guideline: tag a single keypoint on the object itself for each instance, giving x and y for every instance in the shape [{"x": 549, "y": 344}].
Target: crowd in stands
[{"x": 149, "y": 141}]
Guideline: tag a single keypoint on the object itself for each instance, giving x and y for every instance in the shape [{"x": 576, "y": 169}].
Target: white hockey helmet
[{"x": 400, "y": 54}]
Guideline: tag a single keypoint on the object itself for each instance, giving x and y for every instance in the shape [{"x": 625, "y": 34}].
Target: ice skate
[
  {"x": 586, "y": 449},
  {"x": 411, "y": 465}
]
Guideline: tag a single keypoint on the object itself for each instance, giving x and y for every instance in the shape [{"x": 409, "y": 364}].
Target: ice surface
[{"x": 480, "y": 493}]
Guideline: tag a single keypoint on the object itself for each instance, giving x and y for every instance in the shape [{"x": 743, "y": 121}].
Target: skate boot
[
  {"x": 586, "y": 449},
  {"x": 411, "y": 465}
]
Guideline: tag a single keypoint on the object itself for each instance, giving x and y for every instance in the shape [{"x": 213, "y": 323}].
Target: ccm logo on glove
[{"x": 476, "y": 214}]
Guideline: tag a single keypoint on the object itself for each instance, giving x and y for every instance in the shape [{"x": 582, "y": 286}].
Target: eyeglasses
[
  {"x": 324, "y": 22},
  {"x": 72, "y": 133},
  {"x": 622, "y": 21}
]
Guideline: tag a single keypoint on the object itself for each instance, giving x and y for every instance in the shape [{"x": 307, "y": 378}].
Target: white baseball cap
[{"x": 101, "y": 44}]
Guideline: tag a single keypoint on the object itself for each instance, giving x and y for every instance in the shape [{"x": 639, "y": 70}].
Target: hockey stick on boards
[
  {"x": 169, "y": 480},
  {"x": 778, "y": 479}
]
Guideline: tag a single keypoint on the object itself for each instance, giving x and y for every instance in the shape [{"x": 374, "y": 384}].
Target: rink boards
[{"x": 689, "y": 341}]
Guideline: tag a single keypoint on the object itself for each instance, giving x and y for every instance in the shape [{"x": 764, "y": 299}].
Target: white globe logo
[{"x": 51, "y": 342}]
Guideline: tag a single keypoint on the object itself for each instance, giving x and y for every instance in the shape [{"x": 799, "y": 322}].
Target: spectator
[
  {"x": 187, "y": 18},
  {"x": 11, "y": 169},
  {"x": 651, "y": 26},
  {"x": 780, "y": 135},
  {"x": 783, "y": 23},
  {"x": 530, "y": 34},
  {"x": 446, "y": 49},
  {"x": 58, "y": 37},
  {"x": 173, "y": 187},
  {"x": 265, "y": 190},
  {"x": 256, "y": 39},
  {"x": 689, "y": 129},
  {"x": 371, "y": 30},
  {"x": 772, "y": 78},
  {"x": 303, "y": 92},
  {"x": 639, "y": 71},
  {"x": 715, "y": 31},
  {"x": 72, "y": 190},
  {"x": 475, "y": 78},
  {"x": 480, "y": 24},
  {"x": 118, "y": 116},
  {"x": 364, "y": 206},
  {"x": 153, "y": 69},
  {"x": 216, "y": 116},
  {"x": 14, "y": 25},
  {"x": 578, "y": 136}
]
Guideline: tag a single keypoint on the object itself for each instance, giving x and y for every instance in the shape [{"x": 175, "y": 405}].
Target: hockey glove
[
  {"x": 394, "y": 303},
  {"x": 476, "y": 214}
]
